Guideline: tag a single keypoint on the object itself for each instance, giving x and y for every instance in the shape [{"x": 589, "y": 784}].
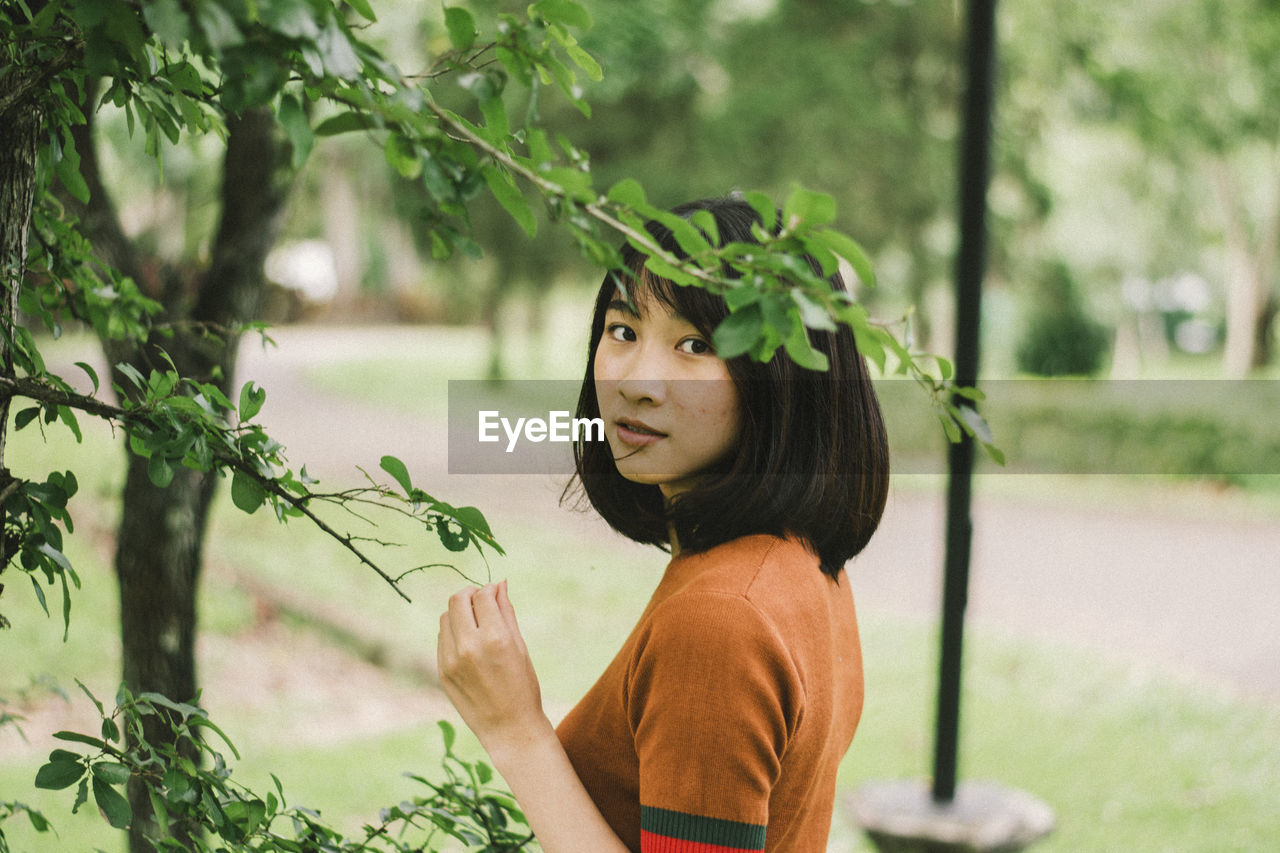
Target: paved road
[{"x": 1181, "y": 578}]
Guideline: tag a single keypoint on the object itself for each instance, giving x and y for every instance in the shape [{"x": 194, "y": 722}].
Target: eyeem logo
[{"x": 558, "y": 427}]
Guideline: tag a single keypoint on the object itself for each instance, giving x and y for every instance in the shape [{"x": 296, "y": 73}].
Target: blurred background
[{"x": 1124, "y": 662}]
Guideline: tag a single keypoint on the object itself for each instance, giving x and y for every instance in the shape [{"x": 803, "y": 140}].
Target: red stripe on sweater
[{"x": 651, "y": 842}]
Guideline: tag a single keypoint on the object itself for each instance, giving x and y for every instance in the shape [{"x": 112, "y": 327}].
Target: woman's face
[{"x": 669, "y": 405}]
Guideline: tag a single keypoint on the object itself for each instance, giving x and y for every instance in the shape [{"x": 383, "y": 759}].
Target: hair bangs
[{"x": 641, "y": 285}]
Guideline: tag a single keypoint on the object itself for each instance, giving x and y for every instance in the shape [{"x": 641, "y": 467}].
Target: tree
[
  {"x": 257, "y": 75},
  {"x": 1193, "y": 83}
]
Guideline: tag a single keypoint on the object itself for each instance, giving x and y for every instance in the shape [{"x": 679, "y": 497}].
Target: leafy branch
[
  {"x": 173, "y": 421},
  {"x": 191, "y": 797}
]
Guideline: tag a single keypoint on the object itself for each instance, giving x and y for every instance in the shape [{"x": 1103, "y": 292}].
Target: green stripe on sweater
[{"x": 702, "y": 830}]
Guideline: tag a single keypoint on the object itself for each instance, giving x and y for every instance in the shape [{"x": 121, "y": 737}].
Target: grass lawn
[{"x": 1129, "y": 757}]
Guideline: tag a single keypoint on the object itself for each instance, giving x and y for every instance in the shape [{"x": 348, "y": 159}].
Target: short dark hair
[{"x": 813, "y": 458}]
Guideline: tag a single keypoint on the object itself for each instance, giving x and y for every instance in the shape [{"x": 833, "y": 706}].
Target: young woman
[{"x": 720, "y": 724}]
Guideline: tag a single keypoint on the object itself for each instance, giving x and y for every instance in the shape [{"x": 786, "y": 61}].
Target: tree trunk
[
  {"x": 1251, "y": 264},
  {"x": 19, "y": 137},
  {"x": 159, "y": 547}
]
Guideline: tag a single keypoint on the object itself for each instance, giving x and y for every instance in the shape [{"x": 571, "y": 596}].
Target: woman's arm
[{"x": 487, "y": 674}]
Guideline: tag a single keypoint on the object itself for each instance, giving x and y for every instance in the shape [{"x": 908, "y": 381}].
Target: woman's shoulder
[
  {"x": 750, "y": 566},
  {"x": 771, "y": 577}
]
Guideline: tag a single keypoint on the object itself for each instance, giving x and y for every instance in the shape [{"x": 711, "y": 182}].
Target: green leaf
[
  {"x": 167, "y": 20},
  {"x": 111, "y": 772},
  {"x": 561, "y": 12},
  {"x": 870, "y": 348},
  {"x": 706, "y": 221},
  {"x": 808, "y": 207},
  {"x": 293, "y": 118},
  {"x": 849, "y": 249},
  {"x": 398, "y": 471},
  {"x": 996, "y": 454},
  {"x": 738, "y": 332},
  {"x": 741, "y": 296},
  {"x": 473, "y": 519},
  {"x": 495, "y": 117},
  {"x": 661, "y": 268},
  {"x": 337, "y": 54},
  {"x": 461, "y": 26},
  {"x": 68, "y": 170},
  {"x": 345, "y": 123},
  {"x": 246, "y": 493},
  {"x": 44, "y": 605},
  {"x": 199, "y": 720},
  {"x": 945, "y": 370},
  {"x": 801, "y": 350},
  {"x": 76, "y": 737},
  {"x": 66, "y": 607},
  {"x": 628, "y": 192},
  {"x": 159, "y": 471},
  {"x": 812, "y": 314},
  {"x": 131, "y": 372},
  {"x": 251, "y": 400},
  {"x": 38, "y": 821},
  {"x": 689, "y": 238},
  {"x": 293, "y": 18},
  {"x": 93, "y": 374},
  {"x": 585, "y": 61},
  {"x": 449, "y": 734},
  {"x": 25, "y": 417},
  {"x": 977, "y": 425},
  {"x": 402, "y": 156},
  {"x": 363, "y": 9},
  {"x": 764, "y": 206},
  {"x": 159, "y": 811},
  {"x": 113, "y": 805},
  {"x": 452, "y": 539},
  {"x": 510, "y": 197},
  {"x": 57, "y": 775}
]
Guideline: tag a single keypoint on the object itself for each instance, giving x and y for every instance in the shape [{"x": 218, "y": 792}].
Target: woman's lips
[{"x": 638, "y": 433}]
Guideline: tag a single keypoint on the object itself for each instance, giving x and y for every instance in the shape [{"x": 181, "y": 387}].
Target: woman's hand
[
  {"x": 486, "y": 672},
  {"x": 485, "y": 668}
]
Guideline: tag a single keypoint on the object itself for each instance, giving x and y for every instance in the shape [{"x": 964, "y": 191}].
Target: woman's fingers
[
  {"x": 484, "y": 607},
  {"x": 509, "y": 613},
  {"x": 476, "y": 625}
]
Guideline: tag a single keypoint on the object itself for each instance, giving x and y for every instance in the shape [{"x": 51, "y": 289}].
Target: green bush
[{"x": 1060, "y": 338}]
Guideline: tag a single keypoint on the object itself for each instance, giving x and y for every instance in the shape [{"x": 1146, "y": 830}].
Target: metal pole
[{"x": 970, "y": 262}]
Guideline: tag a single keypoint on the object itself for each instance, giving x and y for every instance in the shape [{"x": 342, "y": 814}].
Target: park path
[{"x": 1172, "y": 574}]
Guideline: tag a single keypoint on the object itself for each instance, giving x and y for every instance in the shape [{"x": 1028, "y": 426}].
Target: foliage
[
  {"x": 1060, "y": 338},
  {"x": 201, "y": 793}
]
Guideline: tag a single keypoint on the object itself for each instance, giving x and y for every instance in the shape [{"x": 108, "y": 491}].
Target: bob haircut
[{"x": 812, "y": 460}]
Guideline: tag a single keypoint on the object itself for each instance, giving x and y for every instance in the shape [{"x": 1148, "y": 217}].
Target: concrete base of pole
[{"x": 984, "y": 817}]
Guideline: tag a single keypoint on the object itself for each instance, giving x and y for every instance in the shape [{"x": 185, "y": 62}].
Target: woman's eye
[
  {"x": 695, "y": 346},
  {"x": 620, "y": 332}
]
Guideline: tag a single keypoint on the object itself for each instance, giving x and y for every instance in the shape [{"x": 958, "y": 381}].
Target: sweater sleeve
[{"x": 712, "y": 699}]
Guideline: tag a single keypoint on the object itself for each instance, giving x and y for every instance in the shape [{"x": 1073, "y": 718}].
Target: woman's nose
[{"x": 643, "y": 378}]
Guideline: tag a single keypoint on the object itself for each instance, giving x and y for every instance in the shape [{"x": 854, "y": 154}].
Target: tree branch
[
  {"x": 639, "y": 237},
  {"x": 43, "y": 393},
  {"x": 23, "y": 86}
]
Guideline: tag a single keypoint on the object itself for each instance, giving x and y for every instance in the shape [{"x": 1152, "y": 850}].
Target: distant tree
[
  {"x": 1059, "y": 337},
  {"x": 1195, "y": 84}
]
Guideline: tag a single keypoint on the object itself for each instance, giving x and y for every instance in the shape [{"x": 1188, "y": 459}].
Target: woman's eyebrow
[{"x": 622, "y": 307}]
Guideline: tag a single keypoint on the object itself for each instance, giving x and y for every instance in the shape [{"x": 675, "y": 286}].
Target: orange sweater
[{"x": 720, "y": 724}]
